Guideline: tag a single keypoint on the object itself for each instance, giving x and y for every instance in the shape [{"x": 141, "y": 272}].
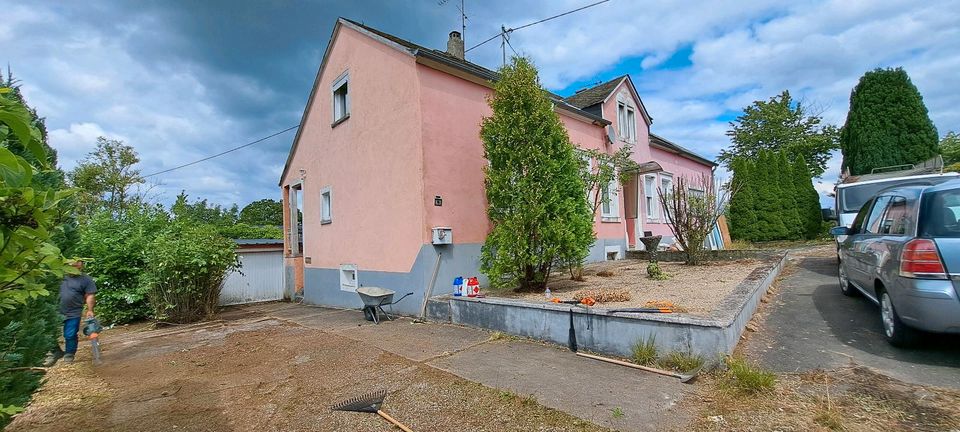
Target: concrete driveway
[{"x": 809, "y": 324}]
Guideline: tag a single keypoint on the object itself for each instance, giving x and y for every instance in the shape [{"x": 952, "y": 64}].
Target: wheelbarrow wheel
[{"x": 369, "y": 314}]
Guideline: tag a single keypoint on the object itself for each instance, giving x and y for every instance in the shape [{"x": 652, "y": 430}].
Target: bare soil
[
  {"x": 265, "y": 374},
  {"x": 697, "y": 289}
]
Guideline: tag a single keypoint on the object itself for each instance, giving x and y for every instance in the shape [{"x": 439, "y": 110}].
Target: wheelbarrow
[{"x": 374, "y": 299}]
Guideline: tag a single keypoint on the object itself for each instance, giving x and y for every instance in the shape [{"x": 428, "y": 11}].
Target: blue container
[{"x": 458, "y": 286}]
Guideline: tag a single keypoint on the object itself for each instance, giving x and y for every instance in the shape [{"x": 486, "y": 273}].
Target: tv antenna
[{"x": 463, "y": 18}]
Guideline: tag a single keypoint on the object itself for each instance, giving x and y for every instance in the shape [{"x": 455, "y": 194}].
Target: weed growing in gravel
[
  {"x": 747, "y": 378},
  {"x": 681, "y": 361},
  {"x": 645, "y": 352},
  {"x": 655, "y": 272},
  {"x": 497, "y": 336},
  {"x": 506, "y": 395},
  {"x": 617, "y": 412}
]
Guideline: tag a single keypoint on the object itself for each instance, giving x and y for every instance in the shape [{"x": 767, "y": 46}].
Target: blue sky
[{"x": 180, "y": 80}]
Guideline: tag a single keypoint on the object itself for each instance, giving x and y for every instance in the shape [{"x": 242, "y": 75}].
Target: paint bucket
[{"x": 473, "y": 287}]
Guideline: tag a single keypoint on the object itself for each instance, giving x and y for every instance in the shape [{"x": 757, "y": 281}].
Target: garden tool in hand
[
  {"x": 586, "y": 301},
  {"x": 369, "y": 403},
  {"x": 92, "y": 329}
]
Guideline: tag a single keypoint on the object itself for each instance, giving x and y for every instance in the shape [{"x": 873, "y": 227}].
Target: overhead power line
[
  {"x": 536, "y": 22},
  {"x": 224, "y": 152}
]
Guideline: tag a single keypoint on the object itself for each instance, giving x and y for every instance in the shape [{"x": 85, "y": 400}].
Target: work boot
[
  {"x": 68, "y": 358},
  {"x": 51, "y": 358}
]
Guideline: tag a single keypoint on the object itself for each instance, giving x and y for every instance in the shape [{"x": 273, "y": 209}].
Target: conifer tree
[
  {"x": 770, "y": 222},
  {"x": 887, "y": 123},
  {"x": 537, "y": 206},
  {"x": 742, "y": 212},
  {"x": 790, "y": 201},
  {"x": 808, "y": 199}
]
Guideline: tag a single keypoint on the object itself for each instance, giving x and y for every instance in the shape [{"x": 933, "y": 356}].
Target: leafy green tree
[
  {"x": 537, "y": 205},
  {"x": 31, "y": 220},
  {"x": 781, "y": 124},
  {"x": 106, "y": 176},
  {"x": 742, "y": 211},
  {"x": 807, "y": 198},
  {"x": 265, "y": 212},
  {"x": 887, "y": 124},
  {"x": 202, "y": 212},
  {"x": 950, "y": 150},
  {"x": 117, "y": 244}
]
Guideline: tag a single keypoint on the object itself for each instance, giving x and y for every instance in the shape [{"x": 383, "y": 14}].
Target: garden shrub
[
  {"x": 655, "y": 272},
  {"x": 117, "y": 245},
  {"x": 185, "y": 270},
  {"x": 26, "y": 334}
]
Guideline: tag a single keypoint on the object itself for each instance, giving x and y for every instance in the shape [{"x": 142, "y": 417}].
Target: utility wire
[
  {"x": 223, "y": 152},
  {"x": 537, "y": 22}
]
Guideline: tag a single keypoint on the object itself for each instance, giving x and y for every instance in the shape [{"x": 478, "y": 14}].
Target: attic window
[
  {"x": 341, "y": 99},
  {"x": 627, "y": 122}
]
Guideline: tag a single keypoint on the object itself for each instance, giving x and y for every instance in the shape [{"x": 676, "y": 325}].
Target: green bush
[
  {"x": 117, "y": 246},
  {"x": 185, "y": 269},
  {"x": 241, "y": 230}
]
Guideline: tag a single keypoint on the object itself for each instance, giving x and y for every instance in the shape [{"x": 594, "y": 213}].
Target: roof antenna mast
[{"x": 463, "y": 18}]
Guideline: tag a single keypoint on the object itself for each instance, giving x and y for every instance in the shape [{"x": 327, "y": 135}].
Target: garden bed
[
  {"x": 720, "y": 297},
  {"x": 696, "y": 290}
]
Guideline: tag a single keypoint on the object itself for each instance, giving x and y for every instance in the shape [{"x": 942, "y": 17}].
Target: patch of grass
[
  {"x": 681, "y": 361},
  {"x": 645, "y": 351},
  {"x": 830, "y": 419},
  {"x": 528, "y": 400},
  {"x": 505, "y": 395},
  {"x": 617, "y": 412},
  {"x": 747, "y": 378},
  {"x": 501, "y": 336}
]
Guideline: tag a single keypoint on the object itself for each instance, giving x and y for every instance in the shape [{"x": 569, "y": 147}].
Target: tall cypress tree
[
  {"x": 769, "y": 207},
  {"x": 887, "y": 123},
  {"x": 807, "y": 198},
  {"x": 789, "y": 197},
  {"x": 741, "y": 212}
]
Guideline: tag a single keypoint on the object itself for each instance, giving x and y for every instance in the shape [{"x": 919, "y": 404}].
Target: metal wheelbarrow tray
[{"x": 374, "y": 299}]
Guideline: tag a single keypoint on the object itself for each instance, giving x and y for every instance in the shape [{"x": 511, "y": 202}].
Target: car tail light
[{"x": 920, "y": 259}]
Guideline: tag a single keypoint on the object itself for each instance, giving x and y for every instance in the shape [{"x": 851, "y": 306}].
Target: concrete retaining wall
[
  {"x": 713, "y": 255},
  {"x": 597, "y": 330}
]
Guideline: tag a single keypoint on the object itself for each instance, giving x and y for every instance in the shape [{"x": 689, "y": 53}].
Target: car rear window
[{"x": 939, "y": 212}]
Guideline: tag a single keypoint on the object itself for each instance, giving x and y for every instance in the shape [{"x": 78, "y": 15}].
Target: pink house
[{"x": 386, "y": 168}]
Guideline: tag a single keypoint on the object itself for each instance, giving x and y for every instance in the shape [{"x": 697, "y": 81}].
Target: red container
[{"x": 473, "y": 287}]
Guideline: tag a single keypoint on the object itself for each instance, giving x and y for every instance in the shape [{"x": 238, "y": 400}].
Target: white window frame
[
  {"x": 631, "y": 124},
  {"x": 626, "y": 121},
  {"x": 326, "y": 205},
  {"x": 666, "y": 186},
  {"x": 651, "y": 201},
  {"x": 589, "y": 160},
  {"x": 349, "y": 277},
  {"x": 341, "y": 111},
  {"x": 611, "y": 196}
]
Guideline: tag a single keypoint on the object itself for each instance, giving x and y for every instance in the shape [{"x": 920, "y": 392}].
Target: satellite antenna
[{"x": 611, "y": 136}]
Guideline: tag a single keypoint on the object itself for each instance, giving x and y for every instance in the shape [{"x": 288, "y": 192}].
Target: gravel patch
[{"x": 697, "y": 289}]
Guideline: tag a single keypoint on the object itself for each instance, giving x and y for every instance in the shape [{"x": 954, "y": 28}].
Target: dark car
[{"x": 902, "y": 251}]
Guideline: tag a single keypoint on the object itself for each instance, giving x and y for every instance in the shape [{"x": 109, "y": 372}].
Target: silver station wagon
[{"x": 903, "y": 253}]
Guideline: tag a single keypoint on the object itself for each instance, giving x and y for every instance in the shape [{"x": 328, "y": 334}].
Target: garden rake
[{"x": 369, "y": 403}]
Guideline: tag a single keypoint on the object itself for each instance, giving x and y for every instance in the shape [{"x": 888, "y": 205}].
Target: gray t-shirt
[{"x": 72, "y": 292}]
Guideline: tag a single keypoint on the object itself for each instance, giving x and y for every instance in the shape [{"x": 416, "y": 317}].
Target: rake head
[{"x": 369, "y": 402}]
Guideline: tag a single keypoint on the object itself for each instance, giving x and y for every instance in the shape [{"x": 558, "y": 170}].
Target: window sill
[
  {"x": 340, "y": 120},
  {"x": 609, "y": 219},
  {"x": 326, "y": 222}
]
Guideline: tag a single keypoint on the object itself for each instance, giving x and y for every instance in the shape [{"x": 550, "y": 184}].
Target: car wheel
[
  {"x": 845, "y": 287},
  {"x": 896, "y": 332}
]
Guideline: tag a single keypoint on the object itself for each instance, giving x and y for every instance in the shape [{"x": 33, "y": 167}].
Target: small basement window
[
  {"x": 341, "y": 99},
  {"x": 348, "y": 277},
  {"x": 326, "y": 205}
]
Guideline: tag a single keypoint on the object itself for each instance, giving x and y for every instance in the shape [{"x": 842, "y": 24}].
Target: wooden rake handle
[{"x": 394, "y": 421}]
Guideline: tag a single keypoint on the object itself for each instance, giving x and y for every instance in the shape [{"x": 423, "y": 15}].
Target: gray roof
[
  {"x": 594, "y": 95},
  {"x": 659, "y": 141},
  {"x": 469, "y": 67}
]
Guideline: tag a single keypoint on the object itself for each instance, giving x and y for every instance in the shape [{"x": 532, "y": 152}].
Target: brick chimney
[{"x": 455, "y": 45}]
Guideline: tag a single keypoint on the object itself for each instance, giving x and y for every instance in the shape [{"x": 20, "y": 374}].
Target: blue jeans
[{"x": 70, "y": 328}]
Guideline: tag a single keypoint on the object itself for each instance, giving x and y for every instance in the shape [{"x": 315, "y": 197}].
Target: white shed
[{"x": 260, "y": 277}]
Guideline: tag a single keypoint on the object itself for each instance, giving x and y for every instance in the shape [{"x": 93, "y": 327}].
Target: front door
[{"x": 631, "y": 210}]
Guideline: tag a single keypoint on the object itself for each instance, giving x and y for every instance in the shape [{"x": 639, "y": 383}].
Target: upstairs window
[
  {"x": 627, "y": 122},
  {"x": 341, "y": 99},
  {"x": 326, "y": 203}
]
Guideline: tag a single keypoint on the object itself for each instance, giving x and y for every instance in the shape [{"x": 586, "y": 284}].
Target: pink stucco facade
[{"x": 413, "y": 135}]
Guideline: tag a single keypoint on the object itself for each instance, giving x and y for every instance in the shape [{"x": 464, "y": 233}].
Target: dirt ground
[
  {"x": 698, "y": 289},
  {"x": 265, "y": 374}
]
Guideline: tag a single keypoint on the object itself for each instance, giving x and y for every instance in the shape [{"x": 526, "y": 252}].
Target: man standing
[{"x": 75, "y": 292}]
